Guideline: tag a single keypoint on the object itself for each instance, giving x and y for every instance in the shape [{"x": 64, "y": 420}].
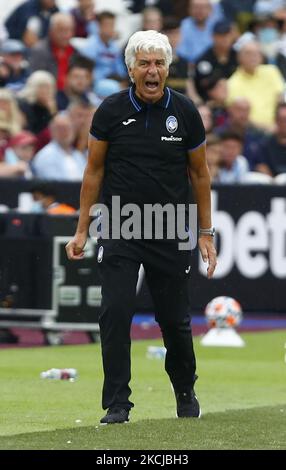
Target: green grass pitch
[{"x": 242, "y": 394}]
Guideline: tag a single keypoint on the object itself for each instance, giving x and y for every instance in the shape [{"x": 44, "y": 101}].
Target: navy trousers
[{"x": 167, "y": 273}]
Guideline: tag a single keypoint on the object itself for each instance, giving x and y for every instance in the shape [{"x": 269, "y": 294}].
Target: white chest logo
[
  {"x": 126, "y": 123},
  {"x": 171, "y": 124}
]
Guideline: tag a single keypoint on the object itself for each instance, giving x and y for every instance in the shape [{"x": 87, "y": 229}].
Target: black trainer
[
  {"x": 115, "y": 415},
  {"x": 187, "y": 405}
]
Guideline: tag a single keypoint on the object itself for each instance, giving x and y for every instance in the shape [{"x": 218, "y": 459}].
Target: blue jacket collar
[{"x": 140, "y": 104}]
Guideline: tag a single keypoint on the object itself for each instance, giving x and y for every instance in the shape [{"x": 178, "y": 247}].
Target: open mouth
[{"x": 151, "y": 85}]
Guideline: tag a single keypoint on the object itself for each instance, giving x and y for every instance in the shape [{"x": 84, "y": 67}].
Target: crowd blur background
[{"x": 60, "y": 59}]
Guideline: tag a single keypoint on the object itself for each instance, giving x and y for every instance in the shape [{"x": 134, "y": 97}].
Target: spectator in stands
[
  {"x": 53, "y": 54},
  {"x": 281, "y": 55},
  {"x": 240, "y": 12},
  {"x": 37, "y": 101},
  {"x": 5, "y": 135},
  {"x": 80, "y": 113},
  {"x": 267, "y": 31},
  {"x": 152, "y": 19},
  {"x": 213, "y": 155},
  {"x": 196, "y": 30},
  {"x": 9, "y": 111},
  {"x": 106, "y": 87},
  {"x": 233, "y": 166},
  {"x": 16, "y": 66},
  {"x": 46, "y": 201},
  {"x": 207, "y": 118},
  {"x": 5, "y": 72},
  {"x": 20, "y": 153},
  {"x": 273, "y": 150},
  {"x": 59, "y": 160},
  {"x": 78, "y": 84},
  {"x": 84, "y": 18},
  {"x": 260, "y": 84},
  {"x": 238, "y": 120},
  {"x": 103, "y": 50},
  {"x": 217, "y": 61},
  {"x": 9, "y": 169},
  {"x": 29, "y": 22},
  {"x": 178, "y": 70},
  {"x": 216, "y": 99}
]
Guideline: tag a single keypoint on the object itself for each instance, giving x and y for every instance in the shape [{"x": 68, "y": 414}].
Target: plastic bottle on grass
[{"x": 59, "y": 374}]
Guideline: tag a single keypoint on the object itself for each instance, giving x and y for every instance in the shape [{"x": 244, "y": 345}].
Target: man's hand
[
  {"x": 208, "y": 252},
  {"x": 74, "y": 248}
]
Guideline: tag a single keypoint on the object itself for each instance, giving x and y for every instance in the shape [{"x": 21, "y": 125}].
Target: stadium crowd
[{"x": 56, "y": 67}]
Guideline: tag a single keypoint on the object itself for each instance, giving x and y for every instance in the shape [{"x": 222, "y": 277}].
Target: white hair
[
  {"x": 35, "y": 80},
  {"x": 12, "y": 115},
  {"x": 147, "y": 41},
  {"x": 57, "y": 19}
]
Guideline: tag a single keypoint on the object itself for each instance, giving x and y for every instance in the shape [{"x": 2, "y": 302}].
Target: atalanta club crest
[{"x": 171, "y": 124}]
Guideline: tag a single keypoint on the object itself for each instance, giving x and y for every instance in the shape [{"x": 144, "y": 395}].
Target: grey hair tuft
[{"x": 148, "y": 41}]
